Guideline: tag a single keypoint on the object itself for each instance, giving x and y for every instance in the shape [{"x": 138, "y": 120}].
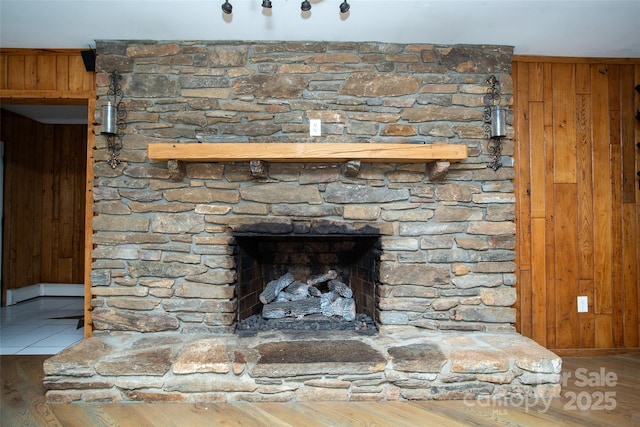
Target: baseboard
[
  {"x": 15, "y": 296},
  {"x": 593, "y": 352}
]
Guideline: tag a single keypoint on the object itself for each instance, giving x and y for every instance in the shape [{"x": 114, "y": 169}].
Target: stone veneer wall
[{"x": 163, "y": 247}]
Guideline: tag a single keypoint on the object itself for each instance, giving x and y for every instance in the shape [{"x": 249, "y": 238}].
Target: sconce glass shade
[
  {"x": 498, "y": 121},
  {"x": 109, "y": 119}
]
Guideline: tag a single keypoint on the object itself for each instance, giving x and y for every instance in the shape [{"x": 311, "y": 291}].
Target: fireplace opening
[{"x": 306, "y": 282}]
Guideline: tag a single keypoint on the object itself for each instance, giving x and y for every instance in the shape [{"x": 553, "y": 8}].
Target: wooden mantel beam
[{"x": 306, "y": 152}]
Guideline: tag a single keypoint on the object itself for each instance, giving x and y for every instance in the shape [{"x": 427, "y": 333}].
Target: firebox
[{"x": 327, "y": 268}]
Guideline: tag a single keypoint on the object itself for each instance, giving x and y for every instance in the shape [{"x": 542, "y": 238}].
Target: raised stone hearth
[{"x": 282, "y": 367}]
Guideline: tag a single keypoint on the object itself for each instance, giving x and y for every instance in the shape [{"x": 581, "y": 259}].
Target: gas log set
[
  {"x": 287, "y": 297},
  {"x": 321, "y": 302}
]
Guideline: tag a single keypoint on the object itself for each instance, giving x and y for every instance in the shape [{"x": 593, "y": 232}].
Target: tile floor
[{"x": 43, "y": 325}]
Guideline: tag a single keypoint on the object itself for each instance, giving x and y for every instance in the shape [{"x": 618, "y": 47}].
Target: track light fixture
[{"x": 305, "y": 6}]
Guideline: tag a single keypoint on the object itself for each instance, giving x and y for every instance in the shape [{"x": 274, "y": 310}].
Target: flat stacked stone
[
  {"x": 163, "y": 233},
  {"x": 278, "y": 367}
]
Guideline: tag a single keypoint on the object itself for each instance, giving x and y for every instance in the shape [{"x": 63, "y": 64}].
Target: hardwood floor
[{"x": 589, "y": 398}]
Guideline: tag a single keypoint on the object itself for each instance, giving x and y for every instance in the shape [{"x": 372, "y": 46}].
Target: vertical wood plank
[
  {"x": 583, "y": 79},
  {"x": 524, "y": 307},
  {"x": 604, "y": 332},
  {"x": 539, "y": 282},
  {"x": 88, "y": 80},
  {"x": 76, "y": 73},
  {"x": 62, "y": 73},
  {"x": 566, "y": 271},
  {"x": 64, "y": 170},
  {"x": 585, "y": 187},
  {"x": 613, "y": 78},
  {"x": 516, "y": 155},
  {"x": 56, "y": 212},
  {"x": 550, "y": 236},
  {"x": 8, "y": 128},
  {"x": 43, "y": 137},
  {"x": 65, "y": 268},
  {"x": 588, "y": 319},
  {"x": 524, "y": 167},
  {"x": 30, "y": 72},
  {"x": 617, "y": 286},
  {"x": 16, "y": 72},
  {"x": 536, "y": 82},
  {"x": 548, "y": 93},
  {"x": 631, "y": 275},
  {"x": 601, "y": 191},
  {"x": 523, "y": 209},
  {"x": 48, "y": 156},
  {"x": 4, "y": 72},
  {"x": 631, "y": 206},
  {"x": 627, "y": 140},
  {"x": 46, "y": 72},
  {"x": 80, "y": 160},
  {"x": 550, "y": 284},
  {"x": 538, "y": 160},
  {"x": 563, "y": 76},
  {"x": 617, "y": 298},
  {"x": 636, "y": 273}
]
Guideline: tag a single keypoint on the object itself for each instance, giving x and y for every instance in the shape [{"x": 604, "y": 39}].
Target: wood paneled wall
[
  {"x": 577, "y": 201},
  {"x": 44, "y": 75},
  {"x": 44, "y": 202}
]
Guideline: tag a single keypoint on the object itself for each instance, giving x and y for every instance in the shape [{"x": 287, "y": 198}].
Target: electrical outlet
[
  {"x": 315, "y": 127},
  {"x": 583, "y": 304}
]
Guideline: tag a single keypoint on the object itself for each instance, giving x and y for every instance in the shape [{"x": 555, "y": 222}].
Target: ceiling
[
  {"x": 574, "y": 28},
  {"x": 601, "y": 28}
]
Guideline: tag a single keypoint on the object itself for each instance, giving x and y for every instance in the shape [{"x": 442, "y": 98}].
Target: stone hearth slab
[
  {"x": 401, "y": 364},
  {"x": 329, "y": 357},
  {"x": 425, "y": 357}
]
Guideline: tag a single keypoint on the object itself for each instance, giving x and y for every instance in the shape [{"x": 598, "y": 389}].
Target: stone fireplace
[
  {"x": 307, "y": 258},
  {"x": 183, "y": 247}
]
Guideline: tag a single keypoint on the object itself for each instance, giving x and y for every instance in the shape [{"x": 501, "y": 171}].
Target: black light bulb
[{"x": 226, "y": 7}]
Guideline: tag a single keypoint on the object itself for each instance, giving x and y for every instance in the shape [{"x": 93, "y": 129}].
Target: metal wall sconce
[
  {"x": 497, "y": 120},
  {"x": 227, "y": 7},
  {"x": 495, "y": 123},
  {"x": 305, "y": 6},
  {"x": 113, "y": 115}
]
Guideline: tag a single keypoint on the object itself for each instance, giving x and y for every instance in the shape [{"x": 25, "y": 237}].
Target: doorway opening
[{"x": 44, "y": 184}]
